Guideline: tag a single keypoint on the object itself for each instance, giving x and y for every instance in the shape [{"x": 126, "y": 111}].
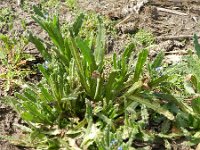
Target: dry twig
[
  {"x": 178, "y": 37},
  {"x": 171, "y": 11},
  {"x": 136, "y": 9}
]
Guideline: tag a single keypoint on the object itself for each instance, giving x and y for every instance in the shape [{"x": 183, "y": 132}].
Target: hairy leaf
[
  {"x": 140, "y": 63},
  {"x": 100, "y": 45},
  {"x": 155, "y": 106},
  {"x": 196, "y": 45}
]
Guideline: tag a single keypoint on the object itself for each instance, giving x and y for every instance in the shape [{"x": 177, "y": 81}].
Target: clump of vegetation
[
  {"x": 6, "y": 19},
  {"x": 144, "y": 38},
  {"x": 81, "y": 104},
  {"x": 72, "y": 4},
  {"x": 11, "y": 59}
]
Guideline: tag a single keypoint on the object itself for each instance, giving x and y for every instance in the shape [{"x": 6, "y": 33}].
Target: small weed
[
  {"x": 71, "y": 4},
  {"x": 6, "y": 19},
  {"x": 144, "y": 38},
  {"x": 11, "y": 56},
  {"x": 52, "y": 3}
]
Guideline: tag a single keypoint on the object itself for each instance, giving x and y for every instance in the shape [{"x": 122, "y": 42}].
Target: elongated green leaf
[
  {"x": 158, "y": 60},
  {"x": 92, "y": 133},
  {"x": 31, "y": 95},
  {"x": 44, "y": 72},
  {"x": 104, "y": 118},
  {"x": 194, "y": 82},
  {"x": 49, "y": 114},
  {"x": 125, "y": 58},
  {"x": 67, "y": 52},
  {"x": 170, "y": 136},
  {"x": 98, "y": 88},
  {"x": 140, "y": 63},
  {"x": 155, "y": 106},
  {"x": 129, "y": 49},
  {"x": 100, "y": 45},
  {"x": 52, "y": 27},
  {"x": 109, "y": 86},
  {"x": 87, "y": 53},
  {"x": 77, "y": 24},
  {"x": 78, "y": 62},
  {"x": 38, "y": 11},
  {"x": 62, "y": 58},
  {"x": 158, "y": 80},
  {"x": 40, "y": 47},
  {"x": 57, "y": 35},
  {"x": 33, "y": 110},
  {"x": 61, "y": 85},
  {"x": 179, "y": 103},
  {"x": 196, "y": 105},
  {"x": 89, "y": 113},
  {"x": 27, "y": 116},
  {"x": 42, "y": 24},
  {"x": 22, "y": 97},
  {"x": 115, "y": 61},
  {"x": 55, "y": 85},
  {"x": 133, "y": 88},
  {"x": 196, "y": 45}
]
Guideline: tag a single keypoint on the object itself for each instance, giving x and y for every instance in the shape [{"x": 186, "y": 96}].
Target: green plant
[
  {"x": 79, "y": 96},
  {"x": 72, "y": 4},
  {"x": 191, "y": 84},
  {"x": 51, "y": 3},
  {"x": 187, "y": 120},
  {"x": 11, "y": 56},
  {"x": 6, "y": 19},
  {"x": 144, "y": 38}
]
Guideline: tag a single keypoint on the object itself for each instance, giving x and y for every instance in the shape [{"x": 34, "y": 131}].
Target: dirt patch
[
  {"x": 7, "y": 120},
  {"x": 171, "y": 21}
]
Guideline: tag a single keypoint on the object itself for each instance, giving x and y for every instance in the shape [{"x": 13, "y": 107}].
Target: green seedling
[
  {"x": 72, "y": 4},
  {"x": 144, "y": 38},
  {"x": 6, "y": 19}
]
